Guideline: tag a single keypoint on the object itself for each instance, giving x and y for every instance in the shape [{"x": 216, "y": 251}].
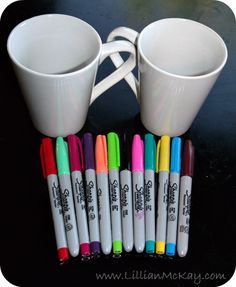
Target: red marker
[
  {"x": 185, "y": 198},
  {"x": 50, "y": 172}
]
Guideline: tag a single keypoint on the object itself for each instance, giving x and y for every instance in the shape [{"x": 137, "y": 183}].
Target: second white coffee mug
[
  {"x": 179, "y": 61},
  {"x": 55, "y": 58}
]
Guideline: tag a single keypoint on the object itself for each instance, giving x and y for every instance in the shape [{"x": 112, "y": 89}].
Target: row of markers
[{"x": 120, "y": 193}]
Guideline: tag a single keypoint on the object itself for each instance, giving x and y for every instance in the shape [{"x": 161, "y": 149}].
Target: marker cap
[
  {"x": 117, "y": 246},
  {"x": 150, "y": 246},
  {"x": 62, "y": 156},
  {"x": 95, "y": 247},
  {"x": 101, "y": 154},
  {"x": 170, "y": 249},
  {"x": 175, "y": 161},
  {"x": 149, "y": 152},
  {"x": 188, "y": 159},
  {"x": 113, "y": 151},
  {"x": 88, "y": 148},
  {"x": 164, "y": 154},
  {"x": 63, "y": 254},
  {"x": 160, "y": 247},
  {"x": 137, "y": 154},
  {"x": 47, "y": 157},
  {"x": 125, "y": 151},
  {"x": 85, "y": 249},
  {"x": 75, "y": 153}
]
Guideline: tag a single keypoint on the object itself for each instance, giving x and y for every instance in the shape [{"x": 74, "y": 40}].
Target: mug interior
[
  {"x": 182, "y": 47},
  {"x": 53, "y": 44}
]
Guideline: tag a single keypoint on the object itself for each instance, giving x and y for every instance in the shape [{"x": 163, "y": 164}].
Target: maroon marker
[{"x": 185, "y": 198}]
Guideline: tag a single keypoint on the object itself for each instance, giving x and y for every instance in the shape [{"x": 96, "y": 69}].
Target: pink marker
[
  {"x": 138, "y": 193},
  {"x": 77, "y": 166}
]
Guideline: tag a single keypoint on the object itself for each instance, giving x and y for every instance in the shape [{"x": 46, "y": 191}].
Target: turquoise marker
[
  {"x": 67, "y": 196},
  {"x": 149, "y": 181},
  {"x": 173, "y": 196}
]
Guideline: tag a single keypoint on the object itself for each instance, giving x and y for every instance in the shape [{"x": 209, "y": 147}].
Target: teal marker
[
  {"x": 114, "y": 188},
  {"x": 173, "y": 196},
  {"x": 149, "y": 180},
  {"x": 67, "y": 196}
]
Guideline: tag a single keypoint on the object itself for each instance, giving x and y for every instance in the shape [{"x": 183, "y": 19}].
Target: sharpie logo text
[
  {"x": 64, "y": 200},
  {"x": 139, "y": 198},
  {"x": 89, "y": 187},
  {"x": 114, "y": 191},
  {"x": 124, "y": 191}
]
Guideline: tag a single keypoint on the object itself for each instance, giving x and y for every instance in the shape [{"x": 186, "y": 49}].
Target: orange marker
[{"x": 103, "y": 193}]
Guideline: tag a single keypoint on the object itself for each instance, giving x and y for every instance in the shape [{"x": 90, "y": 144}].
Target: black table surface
[{"x": 28, "y": 250}]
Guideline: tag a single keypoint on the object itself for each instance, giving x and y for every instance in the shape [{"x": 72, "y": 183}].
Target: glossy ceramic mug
[
  {"x": 179, "y": 61},
  {"x": 55, "y": 58}
]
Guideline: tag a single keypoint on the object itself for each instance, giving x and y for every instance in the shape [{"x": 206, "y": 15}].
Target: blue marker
[
  {"x": 149, "y": 181},
  {"x": 173, "y": 197}
]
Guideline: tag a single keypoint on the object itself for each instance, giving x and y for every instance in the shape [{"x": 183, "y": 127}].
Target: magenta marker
[
  {"x": 138, "y": 193},
  {"x": 77, "y": 166}
]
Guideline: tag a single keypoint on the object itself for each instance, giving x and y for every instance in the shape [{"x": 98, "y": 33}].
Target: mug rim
[
  {"x": 215, "y": 71},
  {"x": 34, "y": 18}
]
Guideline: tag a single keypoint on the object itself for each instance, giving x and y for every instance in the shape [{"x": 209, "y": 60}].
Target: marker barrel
[
  {"x": 104, "y": 212},
  {"x": 149, "y": 196},
  {"x": 57, "y": 215},
  {"x": 92, "y": 208},
  {"x": 172, "y": 219},
  {"x": 184, "y": 215},
  {"x": 114, "y": 188},
  {"x": 138, "y": 208},
  {"x": 127, "y": 209},
  {"x": 80, "y": 208},
  {"x": 69, "y": 214},
  {"x": 162, "y": 212}
]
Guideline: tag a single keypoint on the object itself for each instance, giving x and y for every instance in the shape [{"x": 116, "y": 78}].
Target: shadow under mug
[
  {"x": 55, "y": 58},
  {"x": 179, "y": 61}
]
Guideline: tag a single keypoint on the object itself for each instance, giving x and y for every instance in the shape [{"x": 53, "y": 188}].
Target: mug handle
[
  {"x": 122, "y": 70},
  {"x": 132, "y": 36}
]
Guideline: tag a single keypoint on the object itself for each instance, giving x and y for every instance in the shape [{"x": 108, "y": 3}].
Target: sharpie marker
[
  {"x": 185, "y": 198},
  {"x": 138, "y": 193},
  {"x": 67, "y": 196},
  {"x": 126, "y": 194},
  {"x": 114, "y": 188},
  {"x": 157, "y": 176},
  {"x": 149, "y": 191},
  {"x": 50, "y": 172},
  {"x": 173, "y": 196},
  {"x": 162, "y": 194},
  {"x": 76, "y": 167},
  {"x": 103, "y": 193},
  {"x": 91, "y": 193}
]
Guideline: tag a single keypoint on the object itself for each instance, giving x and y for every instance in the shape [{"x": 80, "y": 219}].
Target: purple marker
[{"x": 91, "y": 193}]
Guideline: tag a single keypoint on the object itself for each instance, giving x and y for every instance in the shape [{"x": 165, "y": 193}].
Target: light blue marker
[
  {"x": 149, "y": 176},
  {"x": 173, "y": 197}
]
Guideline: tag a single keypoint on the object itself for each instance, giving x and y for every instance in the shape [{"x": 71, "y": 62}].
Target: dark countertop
[{"x": 28, "y": 250}]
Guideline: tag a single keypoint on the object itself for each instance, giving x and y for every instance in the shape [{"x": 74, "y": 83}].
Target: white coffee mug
[
  {"x": 55, "y": 58},
  {"x": 179, "y": 61}
]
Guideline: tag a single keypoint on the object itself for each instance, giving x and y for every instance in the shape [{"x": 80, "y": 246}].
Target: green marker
[
  {"x": 114, "y": 188},
  {"x": 67, "y": 196}
]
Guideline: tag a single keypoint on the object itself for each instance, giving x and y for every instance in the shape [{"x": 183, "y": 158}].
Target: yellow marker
[
  {"x": 164, "y": 154},
  {"x": 164, "y": 167}
]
